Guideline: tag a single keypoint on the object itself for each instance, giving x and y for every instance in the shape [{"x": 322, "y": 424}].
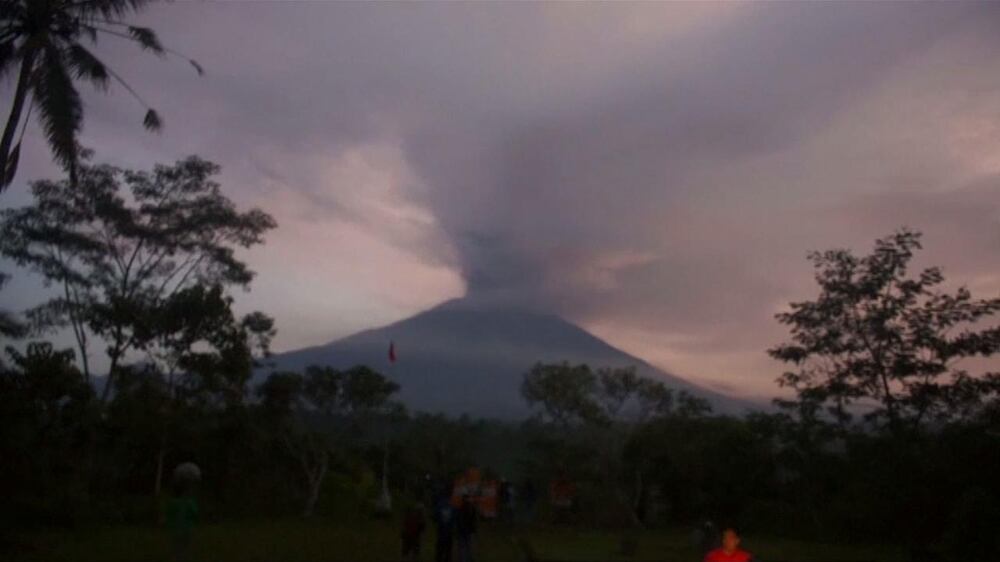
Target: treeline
[
  {"x": 142, "y": 265},
  {"x": 781, "y": 474},
  {"x": 889, "y": 433}
]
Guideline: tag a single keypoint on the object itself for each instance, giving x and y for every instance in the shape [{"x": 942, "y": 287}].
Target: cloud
[{"x": 657, "y": 172}]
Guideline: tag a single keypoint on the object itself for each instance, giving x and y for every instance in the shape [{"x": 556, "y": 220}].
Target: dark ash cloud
[{"x": 655, "y": 171}]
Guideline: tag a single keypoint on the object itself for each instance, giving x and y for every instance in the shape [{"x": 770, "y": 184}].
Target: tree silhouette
[
  {"x": 878, "y": 336},
  {"x": 47, "y": 41},
  {"x": 10, "y": 325},
  {"x": 608, "y": 409},
  {"x": 349, "y": 401},
  {"x": 119, "y": 258}
]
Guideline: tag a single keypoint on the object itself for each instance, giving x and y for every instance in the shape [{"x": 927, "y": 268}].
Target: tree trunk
[
  {"x": 315, "y": 485},
  {"x": 314, "y": 458},
  {"x": 168, "y": 412},
  {"x": 85, "y": 359},
  {"x": 79, "y": 328},
  {"x": 20, "y": 95},
  {"x": 109, "y": 381},
  {"x": 160, "y": 457},
  {"x": 639, "y": 491}
]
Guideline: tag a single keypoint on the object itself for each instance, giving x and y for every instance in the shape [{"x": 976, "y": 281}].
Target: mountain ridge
[{"x": 463, "y": 357}]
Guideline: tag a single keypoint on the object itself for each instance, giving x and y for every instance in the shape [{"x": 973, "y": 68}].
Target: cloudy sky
[{"x": 656, "y": 172}]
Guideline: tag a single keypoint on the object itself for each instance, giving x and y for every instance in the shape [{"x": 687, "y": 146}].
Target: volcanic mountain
[{"x": 465, "y": 358}]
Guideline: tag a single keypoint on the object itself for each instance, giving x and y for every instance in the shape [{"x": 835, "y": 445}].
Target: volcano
[{"x": 466, "y": 358}]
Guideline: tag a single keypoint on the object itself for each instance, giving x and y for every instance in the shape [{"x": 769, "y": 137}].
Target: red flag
[{"x": 392, "y": 352}]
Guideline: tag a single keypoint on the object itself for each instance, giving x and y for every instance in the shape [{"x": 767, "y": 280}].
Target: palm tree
[{"x": 45, "y": 40}]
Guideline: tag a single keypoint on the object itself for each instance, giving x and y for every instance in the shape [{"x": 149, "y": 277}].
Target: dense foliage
[{"x": 889, "y": 435}]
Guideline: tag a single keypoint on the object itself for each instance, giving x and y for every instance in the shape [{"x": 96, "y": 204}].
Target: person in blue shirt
[{"x": 444, "y": 522}]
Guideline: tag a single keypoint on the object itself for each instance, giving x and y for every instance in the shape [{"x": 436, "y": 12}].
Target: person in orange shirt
[{"x": 730, "y": 550}]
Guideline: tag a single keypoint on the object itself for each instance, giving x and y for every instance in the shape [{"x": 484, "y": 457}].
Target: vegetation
[
  {"x": 593, "y": 418},
  {"x": 48, "y": 44},
  {"x": 879, "y": 336},
  {"x": 890, "y": 436},
  {"x": 314, "y": 414}
]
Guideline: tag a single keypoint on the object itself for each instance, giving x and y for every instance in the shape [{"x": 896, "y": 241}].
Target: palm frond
[
  {"x": 62, "y": 58},
  {"x": 160, "y": 49},
  {"x": 152, "y": 120},
  {"x": 8, "y": 57},
  {"x": 107, "y": 8},
  {"x": 91, "y": 32},
  {"x": 59, "y": 107},
  {"x": 12, "y": 160},
  {"x": 147, "y": 38},
  {"x": 87, "y": 66},
  {"x": 12, "y": 10},
  {"x": 118, "y": 78}
]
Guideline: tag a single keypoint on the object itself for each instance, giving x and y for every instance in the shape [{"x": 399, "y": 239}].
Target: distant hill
[{"x": 463, "y": 358}]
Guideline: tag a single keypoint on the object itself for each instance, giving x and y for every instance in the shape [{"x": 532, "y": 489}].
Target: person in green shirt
[{"x": 182, "y": 516}]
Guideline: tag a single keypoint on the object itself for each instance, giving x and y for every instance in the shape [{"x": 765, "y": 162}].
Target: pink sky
[{"x": 655, "y": 172}]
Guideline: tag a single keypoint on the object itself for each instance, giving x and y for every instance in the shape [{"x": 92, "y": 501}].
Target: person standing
[
  {"x": 706, "y": 538},
  {"x": 730, "y": 550},
  {"x": 506, "y": 501},
  {"x": 466, "y": 529},
  {"x": 412, "y": 531},
  {"x": 444, "y": 521},
  {"x": 528, "y": 498},
  {"x": 182, "y": 515}
]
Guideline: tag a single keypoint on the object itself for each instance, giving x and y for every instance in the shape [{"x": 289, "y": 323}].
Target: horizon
[{"x": 654, "y": 174}]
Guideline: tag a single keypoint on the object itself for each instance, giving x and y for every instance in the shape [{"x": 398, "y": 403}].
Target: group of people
[
  {"x": 456, "y": 508},
  {"x": 455, "y": 529},
  {"x": 455, "y": 516}
]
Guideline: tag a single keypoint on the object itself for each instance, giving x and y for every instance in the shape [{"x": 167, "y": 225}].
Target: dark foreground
[{"x": 323, "y": 540}]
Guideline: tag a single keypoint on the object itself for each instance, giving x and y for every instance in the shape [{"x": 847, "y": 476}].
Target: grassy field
[{"x": 362, "y": 541}]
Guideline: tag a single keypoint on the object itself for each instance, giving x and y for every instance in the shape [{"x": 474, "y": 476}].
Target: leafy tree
[
  {"x": 606, "y": 409},
  {"x": 120, "y": 258},
  {"x": 48, "y": 42},
  {"x": 201, "y": 347},
  {"x": 433, "y": 444},
  {"x": 705, "y": 467},
  {"x": 364, "y": 392},
  {"x": 201, "y": 352},
  {"x": 574, "y": 395},
  {"x": 629, "y": 399},
  {"x": 45, "y": 413},
  {"x": 284, "y": 402},
  {"x": 878, "y": 336},
  {"x": 337, "y": 403},
  {"x": 564, "y": 393}
]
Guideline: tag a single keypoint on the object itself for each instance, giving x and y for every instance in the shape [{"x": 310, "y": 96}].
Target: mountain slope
[{"x": 460, "y": 358}]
